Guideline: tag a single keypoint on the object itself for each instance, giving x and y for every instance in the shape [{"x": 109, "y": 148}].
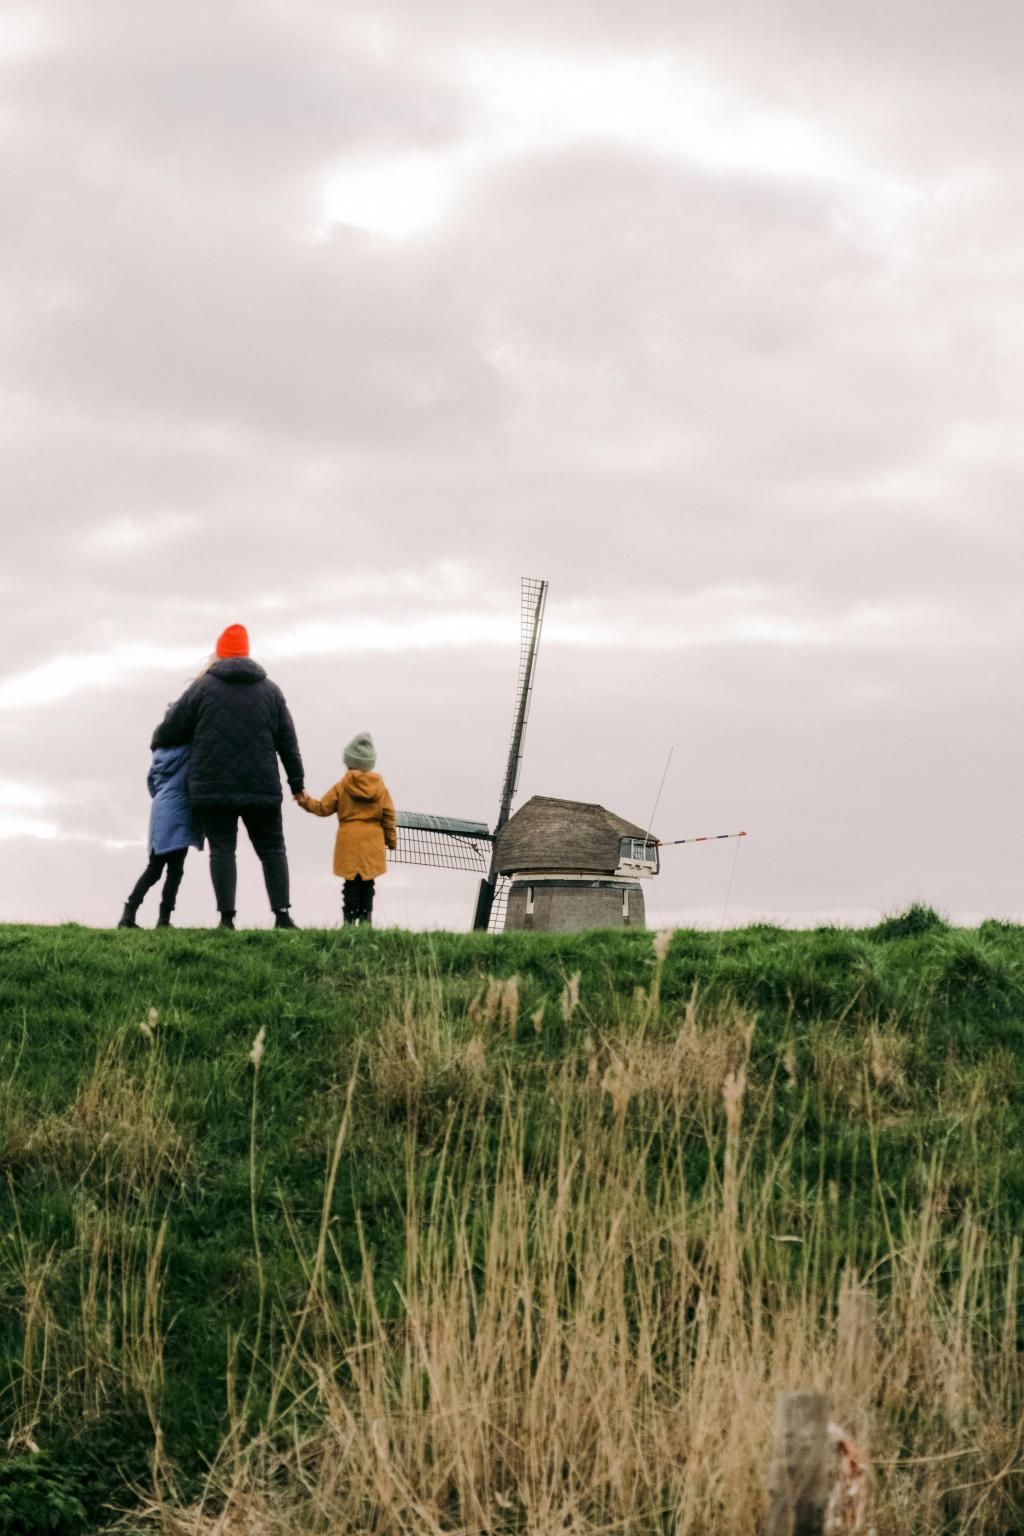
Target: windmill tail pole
[
  {"x": 484, "y": 903},
  {"x": 714, "y": 837}
]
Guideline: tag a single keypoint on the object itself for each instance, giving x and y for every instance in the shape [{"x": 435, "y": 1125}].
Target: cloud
[
  {"x": 702, "y": 620},
  {"x": 63, "y": 676},
  {"x": 524, "y": 104},
  {"x": 22, "y": 36},
  {"x": 398, "y": 195},
  {"x": 654, "y": 104},
  {"x": 16, "y": 824},
  {"x": 337, "y": 321},
  {"x": 21, "y": 797},
  {"x": 131, "y": 534}
]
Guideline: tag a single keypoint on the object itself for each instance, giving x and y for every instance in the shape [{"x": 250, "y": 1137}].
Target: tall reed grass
[
  {"x": 614, "y": 1254},
  {"x": 581, "y": 1345}
]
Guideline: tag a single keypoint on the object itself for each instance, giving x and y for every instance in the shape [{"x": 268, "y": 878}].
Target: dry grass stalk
[
  {"x": 424, "y": 1056},
  {"x": 582, "y": 1345},
  {"x": 118, "y": 1120},
  {"x": 497, "y": 1002},
  {"x": 588, "y": 1351},
  {"x": 509, "y": 1007},
  {"x": 570, "y": 997}
]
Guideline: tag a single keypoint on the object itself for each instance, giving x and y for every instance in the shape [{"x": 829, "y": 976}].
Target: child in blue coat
[{"x": 173, "y": 830}]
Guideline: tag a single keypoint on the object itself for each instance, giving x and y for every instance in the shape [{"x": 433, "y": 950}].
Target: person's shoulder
[
  {"x": 268, "y": 688},
  {"x": 276, "y": 704}
]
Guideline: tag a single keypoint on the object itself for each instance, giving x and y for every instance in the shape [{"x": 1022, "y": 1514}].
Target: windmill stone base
[{"x": 551, "y": 905}]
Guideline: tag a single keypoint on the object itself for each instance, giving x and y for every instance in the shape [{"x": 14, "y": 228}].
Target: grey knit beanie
[{"x": 361, "y": 752}]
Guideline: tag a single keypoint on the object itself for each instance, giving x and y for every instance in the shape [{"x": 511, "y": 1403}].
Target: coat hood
[
  {"x": 364, "y": 786},
  {"x": 238, "y": 669}
]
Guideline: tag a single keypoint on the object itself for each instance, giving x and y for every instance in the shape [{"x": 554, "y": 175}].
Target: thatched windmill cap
[{"x": 562, "y": 835}]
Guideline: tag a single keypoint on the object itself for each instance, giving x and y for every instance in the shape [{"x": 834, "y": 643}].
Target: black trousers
[
  {"x": 174, "y": 863},
  {"x": 266, "y": 833},
  {"x": 357, "y": 900}
]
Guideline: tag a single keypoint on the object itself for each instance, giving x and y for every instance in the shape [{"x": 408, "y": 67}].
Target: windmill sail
[
  {"x": 446, "y": 842},
  {"x": 499, "y": 904},
  {"x": 442, "y": 842},
  {"x": 534, "y": 598}
]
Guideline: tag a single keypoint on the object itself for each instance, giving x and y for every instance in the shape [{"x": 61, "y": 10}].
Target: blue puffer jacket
[{"x": 172, "y": 823}]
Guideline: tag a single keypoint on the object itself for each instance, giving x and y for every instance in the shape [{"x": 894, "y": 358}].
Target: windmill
[
  {"x": 445, "y": 842},
  {"x": 553, "y": 865}
]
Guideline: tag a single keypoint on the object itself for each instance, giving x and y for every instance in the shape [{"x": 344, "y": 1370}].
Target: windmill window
[
  {"x": 639, "y": 850},
  {"x": 529, "y": 898},
  {"x": 625, "y": 903}
]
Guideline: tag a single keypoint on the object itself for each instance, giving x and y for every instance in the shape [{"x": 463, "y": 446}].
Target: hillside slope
[{"x": 288, "y": 1206}]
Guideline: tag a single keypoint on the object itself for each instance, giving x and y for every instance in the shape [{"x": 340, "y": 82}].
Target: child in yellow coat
[{"x": 366, "y": 825}]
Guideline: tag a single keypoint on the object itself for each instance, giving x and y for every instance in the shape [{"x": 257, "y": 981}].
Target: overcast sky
[{"x": 336, "y": 320}]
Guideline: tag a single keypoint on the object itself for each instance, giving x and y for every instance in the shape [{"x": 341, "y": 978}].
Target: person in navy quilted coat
[
  {"x": 173, "y": 830},
  {"x": 238, "y": 725}
]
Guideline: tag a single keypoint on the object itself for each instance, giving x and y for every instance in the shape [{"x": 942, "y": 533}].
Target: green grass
[{"x": 160, "y": 1201}]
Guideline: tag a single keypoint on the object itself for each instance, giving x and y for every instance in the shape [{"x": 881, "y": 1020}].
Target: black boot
[
  {"x": 348, "y": 905},
  {"x": 164, "y": 920},
  {"x": 283, "y": 919},
  {"x": 227, "y": 920},
  {"x": 128, "y": 916}
]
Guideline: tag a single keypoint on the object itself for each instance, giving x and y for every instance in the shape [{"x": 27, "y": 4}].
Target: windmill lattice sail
[
  {"x": 447, "y": 842},
  {"x": 442, "y": 842},
  {"x": 534, "y": 598},
  {"x": 499, "y": 905}
]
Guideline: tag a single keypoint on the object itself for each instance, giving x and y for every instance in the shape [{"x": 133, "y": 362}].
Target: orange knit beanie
[{"x": 233, "y": 642}]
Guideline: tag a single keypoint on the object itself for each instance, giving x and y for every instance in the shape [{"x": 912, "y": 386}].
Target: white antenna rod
[{"x": 657, "y": 798}]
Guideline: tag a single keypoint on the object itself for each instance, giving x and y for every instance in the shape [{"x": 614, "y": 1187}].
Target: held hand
[{"x": 301, "y": 798}]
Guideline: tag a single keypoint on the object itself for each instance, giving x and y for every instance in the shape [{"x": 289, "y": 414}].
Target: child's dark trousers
[
  {"x": 174, "y": 863},
  {"x": 357, "y": 900}
]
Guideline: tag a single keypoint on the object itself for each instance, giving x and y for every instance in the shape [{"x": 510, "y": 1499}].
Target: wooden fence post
[{"x": 802, "y": 1458}]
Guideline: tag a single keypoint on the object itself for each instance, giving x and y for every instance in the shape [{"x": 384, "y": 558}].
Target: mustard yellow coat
[{"x": 366, "y": 823}]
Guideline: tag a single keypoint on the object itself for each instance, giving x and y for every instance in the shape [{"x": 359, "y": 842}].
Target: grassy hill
[{"x": 351, "y": 1231}]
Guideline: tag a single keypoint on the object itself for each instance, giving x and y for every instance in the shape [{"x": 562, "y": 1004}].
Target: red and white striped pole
[{"x": 714, "y": 837}]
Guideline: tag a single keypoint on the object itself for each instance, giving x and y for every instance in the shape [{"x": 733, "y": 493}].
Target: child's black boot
[{"x": 127, "y": 919}]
